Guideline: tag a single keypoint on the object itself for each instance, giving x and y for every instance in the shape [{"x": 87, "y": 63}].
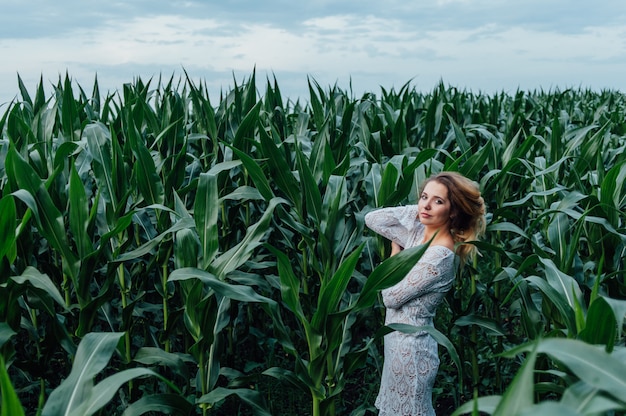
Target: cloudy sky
[{"x": 359, "y": 45}]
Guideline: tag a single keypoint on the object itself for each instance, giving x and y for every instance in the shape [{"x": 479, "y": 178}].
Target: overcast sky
[{"x": 361, "y": 45}]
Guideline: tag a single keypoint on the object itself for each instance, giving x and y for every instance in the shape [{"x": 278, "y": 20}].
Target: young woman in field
[{"x": 451, "y": 211}]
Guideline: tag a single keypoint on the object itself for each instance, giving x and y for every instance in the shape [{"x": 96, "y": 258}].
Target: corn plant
[{"x": 219, "y": 248}]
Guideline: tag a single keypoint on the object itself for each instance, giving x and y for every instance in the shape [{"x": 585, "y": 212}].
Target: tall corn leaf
[
  {"x": 43, "y": 283},
  {"x": 206, "y": 208},
  {"x": 34, "y": 194},
  {"x": 245, "y": 131},
  {"x": 79, "y": 214},
  {"x": 388, "y": 273},
  {"x": 280, "y": 170},
  {"x": 252, "y": 398},
  {"x": 600, "y": 324},
  {"x": 566, "y": 285},
  {"x": 388, "y": 183},
  {"x": 7, "y": 228},
  {"x": 309, "y": 188},
  {"x": 103, "y": 392},
  {"x": 590, "y": 363},
  {"x": 519, "y": 394},
  {"x": 148, "y": 179},
  {"x": 168, "y": 403},
  {"x": 613, "y": 192},
  {"x": 256, "y": 173},
  {"x": 333, "y": 289},
  {"x": 93, "y": 354},
  {"x": 289, "y": 286},
  {"x": 235, "y": 292},
  {"x": 240, "y": 253},
  {"x": 10, "y": 404},
  {"x": 99, "y": 144}
]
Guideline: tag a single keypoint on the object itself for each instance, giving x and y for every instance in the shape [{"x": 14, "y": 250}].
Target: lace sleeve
[
  {"x": 394, "y": 223},
  {"x": 433, "y": 272}
]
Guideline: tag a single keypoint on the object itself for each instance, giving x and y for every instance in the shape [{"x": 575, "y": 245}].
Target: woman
[{"x": 450, "y": 211}]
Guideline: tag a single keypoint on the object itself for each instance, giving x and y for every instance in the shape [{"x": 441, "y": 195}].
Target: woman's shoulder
[{"x": 435, "y": 254}]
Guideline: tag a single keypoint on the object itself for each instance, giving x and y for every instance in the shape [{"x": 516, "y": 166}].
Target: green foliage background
[{"x": 160, "y": 254}]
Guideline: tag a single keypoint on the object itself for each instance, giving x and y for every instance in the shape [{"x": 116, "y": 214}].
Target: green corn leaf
[
  {"x": 316, "y": 103},
  {"x": 613, "y": 193},
  {"x": 566, "y": 311},
  {"x": 459, "y": 136},
  {"x": 69, "y": 110},
  {"x": 7, "y": 228},
  {"x": 149, "y": 246},
  {"x": 24, "y": 91},
  {"x": 566, "y": 285},
  {"x": 167, "y": 403},
  {"x": 151, "y": 356},
  {"x": 256, "y": 173},
  {"x": 619, "y": 310},
  {"x": 10, "y": 405},
  {"x": 250, "y": 397},
  {"x": 388, "y": 183},
  {"x": 243, "y": 193},
  {"x": 103, "y": 392},
  {"x": 6, "y": 333},
  {"x": 49, "y": 219},
  {"x": 407, "y": 180},
  {"x": 235, "y": 292},
  {"x": 558, "y": 234},
  {"x": 186, "y": 248},
  {"x": 79, "y": 214},
  {"x": 289, "y": 284},
  {"x": 247, "y": 127},
  {"x": 240, "y": 253},
  {"x": 280, "y": 169},
  {"x": 322, "y": 161},
  {"x": 309, "y": 187},
  {"x": 99, "y": 145},
  {"x": 590, "y": 363},
  {"x": 519, "y": 394},
  {"x": 485, "y": 404},
  {"x": 434, "y": 115},
  {"x": 43, "y": 283},
  {"x": 491, "y": 326},
  {"x": 333, "y": 289},
  {"x": 301, "y": 380},
  {"x": 93, "y": 354},
  {"x": 476, "y": 162},
  {"x": 585, "y": 399},
  {"x": 148, "y": 179},
  {"x": 600, "y": 325},
  {"x": 333, "y": 208},
  {"x": 206, "y": 208},
  {"x": 388, "y": 273}
]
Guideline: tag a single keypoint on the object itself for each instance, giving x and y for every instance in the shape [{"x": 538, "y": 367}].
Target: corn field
[{"x": 163, "y": 254}]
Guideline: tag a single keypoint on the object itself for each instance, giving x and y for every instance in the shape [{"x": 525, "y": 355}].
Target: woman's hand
[{"x": 395, "y": 248}]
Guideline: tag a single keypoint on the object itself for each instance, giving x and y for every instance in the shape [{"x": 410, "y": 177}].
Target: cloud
[{"x": 472, "y": 44}]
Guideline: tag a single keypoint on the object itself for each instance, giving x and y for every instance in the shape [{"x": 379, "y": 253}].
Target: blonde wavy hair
[{"x": 467, "y": 211}]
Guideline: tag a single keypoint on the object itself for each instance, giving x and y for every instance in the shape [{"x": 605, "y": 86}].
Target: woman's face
[{"x": 434, "y": 206}]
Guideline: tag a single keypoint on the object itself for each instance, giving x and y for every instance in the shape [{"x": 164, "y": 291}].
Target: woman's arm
[
  {"x": 395, "y": 248},
  {"x": 394, "y": 223},
  {"x": 431, "y": 273}
]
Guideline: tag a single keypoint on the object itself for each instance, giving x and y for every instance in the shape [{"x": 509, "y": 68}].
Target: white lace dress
[{"x": 411, "y": 361}]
